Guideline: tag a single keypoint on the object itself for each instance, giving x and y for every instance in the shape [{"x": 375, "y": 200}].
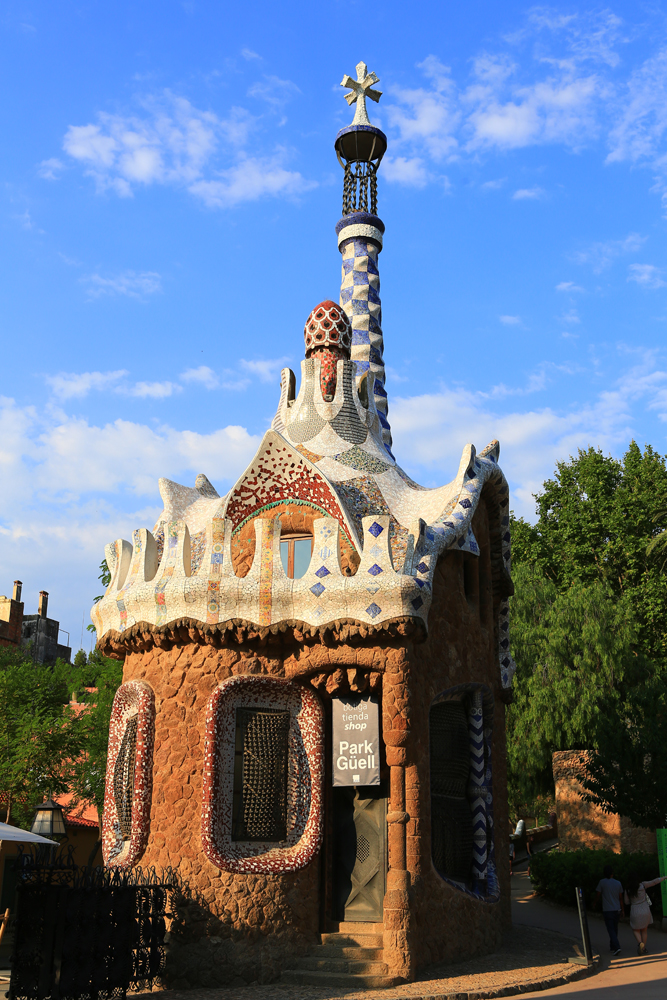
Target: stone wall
[
  {"x": 583, "y": 824},
  {"x": 461, "y": 648}
]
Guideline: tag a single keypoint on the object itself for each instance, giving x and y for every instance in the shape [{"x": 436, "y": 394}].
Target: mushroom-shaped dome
[{"x": 328, "y": 326}]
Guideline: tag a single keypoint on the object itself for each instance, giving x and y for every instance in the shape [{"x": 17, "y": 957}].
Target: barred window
[
  {"x": 260, "y": 775},
  {"x": 123, "y": 777},
  {"x": 451, "y": 818},
  {"x": 462, "y": 845}
]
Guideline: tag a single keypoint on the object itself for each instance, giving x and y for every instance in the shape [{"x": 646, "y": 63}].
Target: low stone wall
[{"x": 583, "y": 824}]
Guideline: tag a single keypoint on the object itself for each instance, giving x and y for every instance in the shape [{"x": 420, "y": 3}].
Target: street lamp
[{"x": 49, "y": 821}]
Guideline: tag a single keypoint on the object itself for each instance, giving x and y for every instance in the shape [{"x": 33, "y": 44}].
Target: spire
[{"x": 360, "y": 148}]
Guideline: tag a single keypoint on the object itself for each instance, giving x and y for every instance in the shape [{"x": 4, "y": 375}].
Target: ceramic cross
[{"x": 360, "y": 90}]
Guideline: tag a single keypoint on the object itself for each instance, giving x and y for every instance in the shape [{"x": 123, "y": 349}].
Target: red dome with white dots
[{"x": 328, "y": 326}]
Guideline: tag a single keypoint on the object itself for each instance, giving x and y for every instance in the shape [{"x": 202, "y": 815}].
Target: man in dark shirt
[{"x": 611, "y": 892}]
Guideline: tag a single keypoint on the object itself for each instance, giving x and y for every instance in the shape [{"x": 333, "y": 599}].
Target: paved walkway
[{"x": 626, "y": 977}]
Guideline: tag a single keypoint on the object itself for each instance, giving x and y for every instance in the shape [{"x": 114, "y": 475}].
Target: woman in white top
[{"x": 640, "y": 907}]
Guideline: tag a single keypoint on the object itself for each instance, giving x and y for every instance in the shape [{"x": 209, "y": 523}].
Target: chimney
[
  {"x": 17, "y": 590},
  {"x": 43, "y": 603}
]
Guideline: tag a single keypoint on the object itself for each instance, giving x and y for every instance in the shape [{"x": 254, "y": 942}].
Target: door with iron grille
[{"x": 360, "y": 852}]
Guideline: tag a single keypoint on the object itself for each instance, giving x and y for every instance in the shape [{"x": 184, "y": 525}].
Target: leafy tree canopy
[
  {"x": 588, "y": 614},
  {"x": 47, "y": 747}
]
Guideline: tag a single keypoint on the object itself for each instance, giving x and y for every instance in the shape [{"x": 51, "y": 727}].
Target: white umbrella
[{"x": 8, "y": 832}]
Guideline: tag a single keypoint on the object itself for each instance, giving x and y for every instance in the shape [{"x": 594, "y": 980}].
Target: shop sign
[{"x": 356, "y": 741}]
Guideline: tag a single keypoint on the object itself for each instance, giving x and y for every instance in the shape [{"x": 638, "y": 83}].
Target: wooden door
[{"x": 360, "y": 852}]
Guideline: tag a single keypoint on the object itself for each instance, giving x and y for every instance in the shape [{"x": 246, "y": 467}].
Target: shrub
[{"x": 555, "y": 874}]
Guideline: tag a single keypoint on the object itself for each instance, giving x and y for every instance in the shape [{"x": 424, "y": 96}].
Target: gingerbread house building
[{"x": 311, "y": 721}]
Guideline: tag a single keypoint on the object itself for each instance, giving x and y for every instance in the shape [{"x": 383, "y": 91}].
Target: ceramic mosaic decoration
[{"x": 398, "y": 528}]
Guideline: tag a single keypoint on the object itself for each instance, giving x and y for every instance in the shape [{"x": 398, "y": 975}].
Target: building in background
[
  {"x": 311, "y": 725},
  {"x": 11, "y": 617},
  {"x": 39, "y": 632},
  {"x": 42, "y": 633}
]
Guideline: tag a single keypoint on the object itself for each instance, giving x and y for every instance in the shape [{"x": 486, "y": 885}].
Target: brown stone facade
[
  {"x": 583, "y": 824},
  {"x": 241, "y": 928}
]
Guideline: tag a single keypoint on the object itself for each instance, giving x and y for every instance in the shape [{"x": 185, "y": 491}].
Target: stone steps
[
  {"x": 359, "y": 954},
  {"x": 350, "y": 955},
  {"x": 298, "y": 977},
  {"x": 315, "y": 963},
  {"x": 373, "y": 941}
]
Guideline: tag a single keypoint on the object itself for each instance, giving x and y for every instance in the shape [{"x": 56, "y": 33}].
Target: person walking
[
  {"x": 640, "y": 907},
  {"x": 610, "y": 891}
]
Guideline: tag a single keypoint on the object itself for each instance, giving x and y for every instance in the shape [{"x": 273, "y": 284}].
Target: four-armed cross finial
[{"x": 360, "y": 90}]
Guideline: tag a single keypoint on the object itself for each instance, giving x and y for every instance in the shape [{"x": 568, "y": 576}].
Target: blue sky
[{"x": 169, "y": 193}]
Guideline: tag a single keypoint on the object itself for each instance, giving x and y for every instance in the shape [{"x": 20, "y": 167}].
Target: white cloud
[
  {"x": 646, "y": 275},
  {"x": 49, "y": 169},
  {"x": 527, "y": 193},
  {"x": 249, "y": 54},
  {"x": 249, "y": 180},
  {"x": 493, "y": 185},
  {"x": 71, "y": 385},
  {"x": 203, "y": 375},
  {"x": 152, "y": 390},
  {"x": 510, "y": 320},
  {"x": 570, "y": 317},
  {"x": 433, "y": 428},
  {"x": 601, "y": 255},
  {"x": 568, "y": 286},
  {"x": 428, "y": 116},
  {"x": 409, "y": 171},
  {"x": 68, "y": 455},
  {"x": 135, "y": 286},
  {"x": 641, "y": 118},
  {"x": 266, "y": 369},
  {"x": 555, "y": 110},
  {"x": 590, "y": 35},
  {"x": 274, "y": 91},
  {"x": 170, "y": 141}
]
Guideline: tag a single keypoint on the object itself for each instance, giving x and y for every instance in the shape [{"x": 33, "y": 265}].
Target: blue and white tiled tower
[{"x": 360, "y": 148}]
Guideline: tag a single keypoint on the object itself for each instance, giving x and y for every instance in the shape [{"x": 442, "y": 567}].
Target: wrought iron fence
[{"x": 83, "y": 934}]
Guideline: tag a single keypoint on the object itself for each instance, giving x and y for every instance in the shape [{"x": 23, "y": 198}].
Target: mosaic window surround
[
  {"x": 305, "y": 776},
  {"x": 133, "y": 704}
]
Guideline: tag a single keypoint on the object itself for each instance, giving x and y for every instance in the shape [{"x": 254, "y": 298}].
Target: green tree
[
  {"x": 626, "y": 771},
  {"x": 40, "y": 736},
  {"x": 588, "y": 612},
  {"x": 576, "y": 655},
  {"x": 595, "y": 519},
  {"x": 89, "y": 770}
]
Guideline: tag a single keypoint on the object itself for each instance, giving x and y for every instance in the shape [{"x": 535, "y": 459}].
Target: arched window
[
  {"x": 295, "y": 553},
  {"x": 127, "y": 797},
  {"x": 263, "y": 775}
]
